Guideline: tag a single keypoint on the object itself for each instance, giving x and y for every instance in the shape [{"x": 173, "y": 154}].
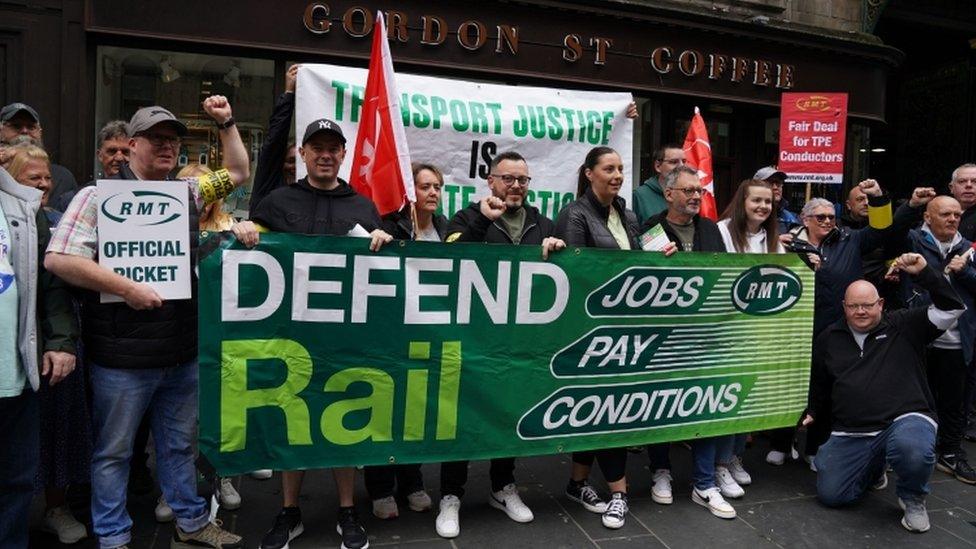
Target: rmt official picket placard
[
  {"x": 812, "y": 132},
  {"x": 460, "y": 126},
  {"x": 315, "y": 352},
  {"x": 144, "y": 234}
]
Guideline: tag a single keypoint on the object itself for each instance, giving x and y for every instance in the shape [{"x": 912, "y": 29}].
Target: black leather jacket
[{"x": 583, "y": 223}]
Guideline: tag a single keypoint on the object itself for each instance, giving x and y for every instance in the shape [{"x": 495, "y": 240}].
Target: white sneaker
[
  {"x": 775, "y": 457},
  {"x": 448, "y": 523},
  {"x": 229, "y": 498},
  {"x": 661, "y": 491},
  {"x": 419, "y": 501},
  {"x": 385, "y": 508},
  {"x": 507, "y": 499},
  {"x": 726, "y": 484},
  {"x": 163, "y": 511},
  {"x": 262, "y": 474},
  {"x": 616, "y": 512},
  {"x": 60, "y": 521},
  {"x": 739, "y": 472},
  {"x": 809, "y": 459},
  {"x": 712, "y": 500}
]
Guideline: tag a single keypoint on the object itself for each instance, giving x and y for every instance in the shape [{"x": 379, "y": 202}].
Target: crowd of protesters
[{"x": 85, "y": 385}]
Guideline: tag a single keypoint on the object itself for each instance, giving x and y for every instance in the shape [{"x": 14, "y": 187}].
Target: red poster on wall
[{"x": 812, "y": 129}]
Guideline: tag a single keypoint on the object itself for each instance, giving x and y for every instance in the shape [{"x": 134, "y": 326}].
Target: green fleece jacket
[{"x": 649, "y": 199}]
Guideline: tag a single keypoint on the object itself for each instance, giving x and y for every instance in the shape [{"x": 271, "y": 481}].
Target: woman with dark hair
[
  {"x": 428, "y": 183},
  {"x": 748, "y": 225},
  {"x": 598, "y": 218}
]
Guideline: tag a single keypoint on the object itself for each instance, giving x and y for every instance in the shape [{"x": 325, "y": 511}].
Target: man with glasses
[
  {"x": 692, "y": 233},
  {"x": 776, "y": 179},
  {"x": 142, "y": 352},
  {"x": 949, "y": 357},
  {"x": 649, "y": 196},
  {"x": 502, "y": 217},
  {"x": 873, "y": 366},
  {"x": 20, "y": 123}
]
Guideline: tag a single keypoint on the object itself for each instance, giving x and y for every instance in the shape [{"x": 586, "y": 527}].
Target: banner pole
[
  {"x": 413, "y": 219},
  {"x": 807, "y": 194}
]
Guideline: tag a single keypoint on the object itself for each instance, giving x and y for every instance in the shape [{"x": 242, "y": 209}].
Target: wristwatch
[{"x": 230, "y": 122}]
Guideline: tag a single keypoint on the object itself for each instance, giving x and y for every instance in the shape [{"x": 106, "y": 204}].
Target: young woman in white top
[{"x": 748, "y": 225}]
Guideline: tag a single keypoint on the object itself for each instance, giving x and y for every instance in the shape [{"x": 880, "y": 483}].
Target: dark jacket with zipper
[
  {"x": 872, "y": 387},
  {"x": 400, "y": 226},
  {"x": 707, "y": 236},
  {"x": 963, "y": 282},
  {"x": 304, "y": 209},
  {"x": 268, "y": 174},
  {"x": 469, "y": 225},
  {"x": 118, "y": 336},
  {"x": 583, "y": 223}
]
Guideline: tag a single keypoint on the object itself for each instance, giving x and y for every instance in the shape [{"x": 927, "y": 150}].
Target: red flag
[
  {"x": 698, "y": 153},
  {"x": 381, "y": 159}
]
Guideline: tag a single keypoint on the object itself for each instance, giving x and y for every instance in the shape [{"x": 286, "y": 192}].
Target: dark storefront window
[{"x": 132, "y": 78}]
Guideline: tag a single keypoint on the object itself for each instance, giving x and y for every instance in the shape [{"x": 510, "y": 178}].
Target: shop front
[{"x": 734, "y": 70}]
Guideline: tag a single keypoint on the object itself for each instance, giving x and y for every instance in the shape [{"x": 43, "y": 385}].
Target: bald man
[
  {"x": 872, "y": 367},
  {"x": 950, "y": 357}
]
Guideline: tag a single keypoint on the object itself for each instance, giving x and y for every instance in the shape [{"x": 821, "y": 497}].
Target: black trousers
[
  {"x": 947, "y": 372},
  {"x": 19, "y": 455},
  {"x": 385, "y": 480},
  {"x": 613, "y": 462},
  {"x": 454, "y": 475}
]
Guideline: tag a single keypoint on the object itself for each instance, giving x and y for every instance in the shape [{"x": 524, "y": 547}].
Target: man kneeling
[{"x": 873, "y": 368}]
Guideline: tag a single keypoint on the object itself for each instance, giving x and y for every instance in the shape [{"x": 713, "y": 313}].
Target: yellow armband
[
  {"x": 879, "y": 217},
  {"x": 215, "y": 186}
]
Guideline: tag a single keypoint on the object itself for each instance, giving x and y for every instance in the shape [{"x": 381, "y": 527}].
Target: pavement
[{"x": 778, "y": 510}]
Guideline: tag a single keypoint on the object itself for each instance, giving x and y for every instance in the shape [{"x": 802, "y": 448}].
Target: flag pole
[{"x": 413, "y": 218}]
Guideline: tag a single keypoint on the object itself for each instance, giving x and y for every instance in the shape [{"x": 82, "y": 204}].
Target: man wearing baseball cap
[
  {"x": 142, "y": 352},
  {"x": 20, "y": 123},
  {"x": 776, "y": 179},
  {"x": 317, "y": 204}
]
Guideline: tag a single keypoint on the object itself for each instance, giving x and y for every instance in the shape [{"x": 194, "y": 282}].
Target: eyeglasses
[
  {"x": 674, "y": 161},
  {"x": 510, "y": 180},
  {"x": 690, "y": 191},
  {"x": 854, "y": 307},
  {"x": 159, "y": 140},
  {"x": 823, "y": 218}
]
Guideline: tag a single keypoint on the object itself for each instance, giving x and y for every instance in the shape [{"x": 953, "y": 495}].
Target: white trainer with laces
[
  {"x": 712, "y": 500},
  {"x": 229, "y": 498},
  {"x": 163, "y": 511},
  {"x": 775, "y": 457},
  {"x": 739, "y": 472},
  {"x": 726, "y": 484},
  {"x": 508, "y": 500},
  {"x": 262, "y": 474},
  {"x": 448, "y": 522},
  {"x": 60, "y": 521},
  {"x": 661, "y": 490}
]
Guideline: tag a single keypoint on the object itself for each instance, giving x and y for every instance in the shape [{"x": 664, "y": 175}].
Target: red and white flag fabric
[
  {"x": 381, "y": 160},
  {"x": 698, "y": 153}
]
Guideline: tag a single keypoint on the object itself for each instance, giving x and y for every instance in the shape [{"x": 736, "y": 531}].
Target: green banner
[{"x": 315, "y": 352}]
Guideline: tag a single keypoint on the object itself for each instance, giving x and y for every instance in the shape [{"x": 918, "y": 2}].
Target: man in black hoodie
[
  {"x": 872, "y": 367},
  {"x": 319, "y": 204}
]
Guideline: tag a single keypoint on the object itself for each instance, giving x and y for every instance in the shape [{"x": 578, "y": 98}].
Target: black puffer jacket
[
  {"x": 400, "y": 226},
  {"x": 469, "y": 225},
  {"x": 583, "y": 223},
  {"x": 304, "y": 209}
]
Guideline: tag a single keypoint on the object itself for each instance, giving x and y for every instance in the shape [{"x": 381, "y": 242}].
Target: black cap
[
  {"x": 12, "y": 109},
  {"x": 323, "y": 125}
]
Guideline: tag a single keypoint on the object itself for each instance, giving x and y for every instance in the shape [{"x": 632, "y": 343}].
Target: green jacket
[{"x": 649, "y": 199}]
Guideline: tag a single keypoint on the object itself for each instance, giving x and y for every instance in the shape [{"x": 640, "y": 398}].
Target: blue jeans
[
  {"x": 703, "y": 458},
  {"x": 848, "y": 466},
  {"x": 120, "y": 399},
  {"x": 729, "y": 446},
  {"x": 20, "y": 428}
]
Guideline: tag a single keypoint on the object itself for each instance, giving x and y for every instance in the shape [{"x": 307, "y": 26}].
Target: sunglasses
[{"x": 821, "y": 218}]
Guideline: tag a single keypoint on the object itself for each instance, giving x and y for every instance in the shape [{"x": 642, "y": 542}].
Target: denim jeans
[
  {"x": 847, "y": 466},
  {"x": 20, "y": 427},
  {"x": 728, "y": 446},
  {"x": 120, "y": 398},
  {"x": 703, "y": 458}
]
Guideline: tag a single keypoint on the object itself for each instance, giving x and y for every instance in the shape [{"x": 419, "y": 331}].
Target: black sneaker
[
  {"x": 585, "y": 495},
  {"x": 287, "y": 526},
  {"x": 352, "y": 531},
  {"x": 957, "y": 467}
]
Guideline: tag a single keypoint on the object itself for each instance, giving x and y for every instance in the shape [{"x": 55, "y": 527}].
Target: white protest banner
[
  {"x": 144, "y": 234},
  {"x": 460, "y": 126}
]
